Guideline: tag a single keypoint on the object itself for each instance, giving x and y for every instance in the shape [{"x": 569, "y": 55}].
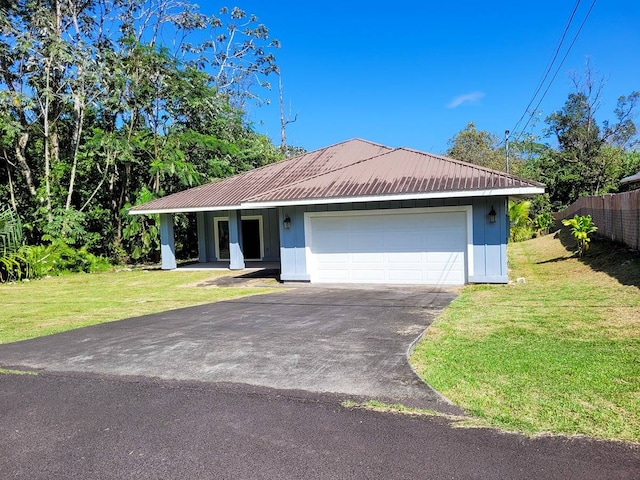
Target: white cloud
[{"x": 473, "y": 97}]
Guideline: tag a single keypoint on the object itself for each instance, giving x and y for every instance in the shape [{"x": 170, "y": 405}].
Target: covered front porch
[{"x": 227, "y": 240}]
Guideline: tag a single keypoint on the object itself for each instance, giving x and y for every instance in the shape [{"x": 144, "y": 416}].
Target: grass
[
  {"x": 378, "y": 406},
  {"x": 9, "y": 371},
  {"x": 558, "y": 354},
  {"x": 56, "y": 304}
]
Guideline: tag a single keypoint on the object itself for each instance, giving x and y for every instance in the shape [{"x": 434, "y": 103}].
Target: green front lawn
[
  {"x": 558, "y": 354},
  {"x": 56, "y": 304}
]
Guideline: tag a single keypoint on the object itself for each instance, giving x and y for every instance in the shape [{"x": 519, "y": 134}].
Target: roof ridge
[
  {"x": 289, "y": 185},
  {"x": 468, "y": 164},
  {"x": 299, "y": 157}
]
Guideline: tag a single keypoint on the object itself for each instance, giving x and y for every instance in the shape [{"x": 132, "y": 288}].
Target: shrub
[
  {"x": 543, "y": 222},
  {"x": 59, "y": 258},
  {"x": 521, "y": 226},
  {"x": 13, "y": 264},
  {"x": 581, "y": 227}
]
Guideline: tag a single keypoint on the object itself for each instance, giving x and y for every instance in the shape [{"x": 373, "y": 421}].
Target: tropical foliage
[
  {"x": 98, "y": 113},
  {"x": 583, "y": 156},
  {"x": 13, "y": 264},
  {"x": 581, "y": 227},
  {"x": 521, "y": 224}
]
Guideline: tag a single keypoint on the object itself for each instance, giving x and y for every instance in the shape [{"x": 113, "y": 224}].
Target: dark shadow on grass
[
  {"x": 554, "y": 260},
  {"x": 614, "y": 259}
]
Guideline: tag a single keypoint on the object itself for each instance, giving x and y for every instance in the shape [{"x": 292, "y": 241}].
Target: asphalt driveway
[{"x": 348, "y": 341}]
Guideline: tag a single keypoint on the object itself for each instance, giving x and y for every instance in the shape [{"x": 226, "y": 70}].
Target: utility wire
[
  {"x": 557, "y": 70},
  {"x": 550, "y": 66}
]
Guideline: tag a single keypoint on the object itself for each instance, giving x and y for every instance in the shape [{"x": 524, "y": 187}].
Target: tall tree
[
  {"x": 97, "y": 110},
  {"x": 481, "y": 148},
  {"x": 589, "y": 157}
]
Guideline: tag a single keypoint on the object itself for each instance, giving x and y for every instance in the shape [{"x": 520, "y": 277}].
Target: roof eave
[
  {"x": 511, "y": 192},
  {"x": 152, "y": 211},
  {"x": 515, "y": 191},
  {"x": 630, "y": 179}
]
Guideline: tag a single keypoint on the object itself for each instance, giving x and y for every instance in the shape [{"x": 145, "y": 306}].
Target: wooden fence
[{"x": 617, "y": 216}]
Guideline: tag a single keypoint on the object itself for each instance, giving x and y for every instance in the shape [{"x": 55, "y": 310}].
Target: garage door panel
[
  {"x": 404, "y": 241},
  {"x": 364, "y": 242},
  {"x": 443, "y": 258},
  {"x": 335, "y": 276},
  {"x": 406, "y": 275},
  {"x": 406, "y": 257},
  {"x": 332, "y": 258},
  {"x": 368, "y": 275},
  {"x": 367, "y": 258},
  {"x": 401, "y": 248}
]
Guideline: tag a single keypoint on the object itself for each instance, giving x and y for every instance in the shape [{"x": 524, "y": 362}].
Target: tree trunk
[
  {"x": 11, "y": 188},
  {"x": 47, "y": 139},
  {"x": 20, "y": 150},
  {"x": 77, "y": 133}
]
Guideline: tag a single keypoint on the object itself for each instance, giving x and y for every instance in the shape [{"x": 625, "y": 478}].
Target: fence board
[{"x": 617, "y": 216}]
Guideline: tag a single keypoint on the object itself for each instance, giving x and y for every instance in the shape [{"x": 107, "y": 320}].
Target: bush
[
  {"x": 543, "y": 222},
  {"x": 581, "y": 227},
  {"x": 521, "y": 227},
  {"x": 13, "y": 265},
  {"x": 59, "y": 258}
]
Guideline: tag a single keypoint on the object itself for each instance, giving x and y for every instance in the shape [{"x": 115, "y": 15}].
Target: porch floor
[{"x": 224, "y": 265}]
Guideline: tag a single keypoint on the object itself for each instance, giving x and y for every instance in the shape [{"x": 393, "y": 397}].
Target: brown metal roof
[
  {"x": 400, "y": 171},
  {"x": 232, "y": 191},
  {"x": 351, "y": 169}
]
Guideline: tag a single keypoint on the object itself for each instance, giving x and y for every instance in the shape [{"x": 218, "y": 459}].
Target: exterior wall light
[
  {"x": 492, "y": 215},
  {"x": 287, "y": 222}
]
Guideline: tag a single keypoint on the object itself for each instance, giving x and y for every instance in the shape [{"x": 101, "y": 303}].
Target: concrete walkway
[{"x": 349, "y": 341}]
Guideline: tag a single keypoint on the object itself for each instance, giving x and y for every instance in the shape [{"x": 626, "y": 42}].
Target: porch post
[
  {"x": 236, "y": 256},
  {"x": 202, "y": 237},
  {"x": 167, "y": 242}
]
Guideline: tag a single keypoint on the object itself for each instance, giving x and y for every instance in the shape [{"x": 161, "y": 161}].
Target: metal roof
[
  {"x": 631, "y": 179},
  {"x": 348, "y": 171},
  {"x": 232, "y": 191},
  {"x": 400, "y": 171}
]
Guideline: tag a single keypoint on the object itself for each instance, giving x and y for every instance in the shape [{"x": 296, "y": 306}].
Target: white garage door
[{"x": 400, "y": 248}]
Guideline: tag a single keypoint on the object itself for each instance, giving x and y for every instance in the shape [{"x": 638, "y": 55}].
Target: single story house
[{"x": 354, "y": 212}]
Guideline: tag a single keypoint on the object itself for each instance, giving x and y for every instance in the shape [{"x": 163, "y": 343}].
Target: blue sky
[{"x": 415, "y": 73}]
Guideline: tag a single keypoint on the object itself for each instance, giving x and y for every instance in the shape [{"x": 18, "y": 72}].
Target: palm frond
[{"x": 10, "y": 231}]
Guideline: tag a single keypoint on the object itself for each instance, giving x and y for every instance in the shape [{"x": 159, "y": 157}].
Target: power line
[
  {"x": 558, "y": 69},
  {"x": 550, "y": 66}
]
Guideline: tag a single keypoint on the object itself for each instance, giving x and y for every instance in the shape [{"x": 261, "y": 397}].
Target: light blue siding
[
  {"x": 206, "y": 240},
  {"x": 489, "y": 240},
  {"x": 293, "y": 260}
]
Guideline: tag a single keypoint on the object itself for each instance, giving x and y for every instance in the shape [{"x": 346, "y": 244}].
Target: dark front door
[
  {"x": 251, "y": 239},
  {"x": 251, "y": 244}
]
